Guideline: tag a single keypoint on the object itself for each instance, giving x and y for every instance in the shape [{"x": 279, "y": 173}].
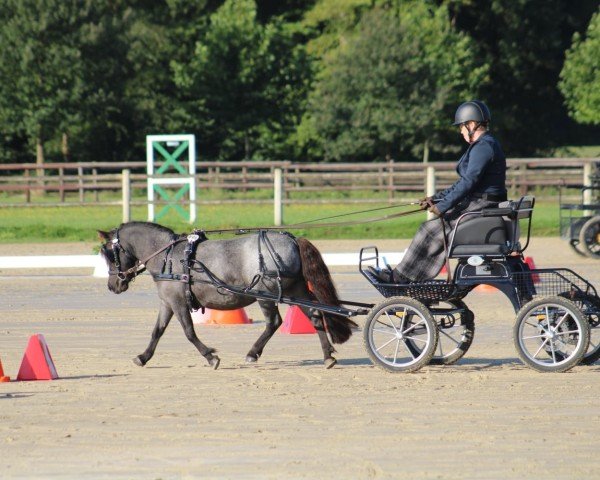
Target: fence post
[
  {"x": 126, "y": 188},
  {"x": 278, "y": 197},
  {"x": 430, "y": 187},
  {"x": 27, "y": 187},
  {"x": 61, "y": 184},
  {"x": 390, "y": 180},
  {"x": 80, "y": 184},
  {"x": 588, "y": 197}
]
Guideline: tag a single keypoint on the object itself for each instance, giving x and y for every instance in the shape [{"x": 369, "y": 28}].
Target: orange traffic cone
[
  {"x": 37, "y": 362},
  {"x": 2, "y": 377},
  {"x": 296, "y": 322},
  {"x": 221, "y": 317},
  {"x": 485, "y": 288}
]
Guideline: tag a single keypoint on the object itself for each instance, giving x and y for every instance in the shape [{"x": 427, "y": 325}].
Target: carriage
[
  {"x": 558, "y": 311},
  {"x": 580, "y": 222}
]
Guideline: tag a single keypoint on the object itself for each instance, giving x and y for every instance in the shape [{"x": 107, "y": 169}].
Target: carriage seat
[{"x": 494, "y": 232}]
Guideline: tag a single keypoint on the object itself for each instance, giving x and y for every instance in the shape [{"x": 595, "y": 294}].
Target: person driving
[{"x": 481, "y": 184}]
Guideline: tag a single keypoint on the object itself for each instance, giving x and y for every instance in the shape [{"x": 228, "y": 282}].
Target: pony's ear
[{"x": 103, "y": 236}]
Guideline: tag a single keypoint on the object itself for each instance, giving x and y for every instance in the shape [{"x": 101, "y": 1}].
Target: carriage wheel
[
  {"x": 551, "y": 334},
  {"x": 455, "y": 333},
  {"x": 589, "y": 237},
  {"x": 593, "y": 352},
  {"x": 391, "y": 326},
  {"x": 590, "y": 306},
  {"x": 575, "y": 245}
]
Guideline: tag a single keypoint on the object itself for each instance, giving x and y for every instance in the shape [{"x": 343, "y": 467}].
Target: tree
[
  {"x": 52, "y": 82},
  {"x": 243, "y": 83},
  {"x": 392, "y": 87},
  {"x": 523, "y": 41},
  {"x": 580, "y": 76}
]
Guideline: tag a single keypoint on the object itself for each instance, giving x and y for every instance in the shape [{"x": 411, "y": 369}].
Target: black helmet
[{"x": 474, "y": 110}]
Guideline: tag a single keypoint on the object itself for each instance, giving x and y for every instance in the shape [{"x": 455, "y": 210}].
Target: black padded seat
[
  {"x": 492, "y": 232},
  {"x": 485, "y": 236}
]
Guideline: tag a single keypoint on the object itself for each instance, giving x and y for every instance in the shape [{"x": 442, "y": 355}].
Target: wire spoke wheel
[
  {"x": 393, "y": 329},
  {"x": 551, "y": 334},
  {"x": 590, "y": 306},
  {"x": 589, "y": 237},
  {"x": 577, "y": 247},
  {"x": 456, "y": 328}
]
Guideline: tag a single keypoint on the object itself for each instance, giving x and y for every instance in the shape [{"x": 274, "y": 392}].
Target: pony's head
[{"x": 121, "y": 263}]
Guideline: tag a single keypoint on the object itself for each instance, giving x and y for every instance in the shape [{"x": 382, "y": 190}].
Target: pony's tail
[{"x": 321, "y": 285}]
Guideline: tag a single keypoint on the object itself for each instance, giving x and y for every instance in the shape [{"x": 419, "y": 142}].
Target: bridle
[{"x": 140, "y": 265}]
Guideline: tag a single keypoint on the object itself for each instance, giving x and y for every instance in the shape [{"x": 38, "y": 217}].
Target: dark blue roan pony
[{"x": 190, "y": 271}]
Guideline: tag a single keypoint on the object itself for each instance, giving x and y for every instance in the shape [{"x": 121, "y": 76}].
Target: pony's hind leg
[
  {"x": 184, "y": 317},
  {"x": 273, "y": 319},
  {"x": 316, "y": 318},
  {"x": 164, "y": 317}
]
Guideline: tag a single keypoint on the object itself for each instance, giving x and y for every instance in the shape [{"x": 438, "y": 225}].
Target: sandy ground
[{"x": 488, "y": 417}]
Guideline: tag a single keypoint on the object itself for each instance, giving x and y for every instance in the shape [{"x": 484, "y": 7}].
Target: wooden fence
[{"x": 22, "y": 185}]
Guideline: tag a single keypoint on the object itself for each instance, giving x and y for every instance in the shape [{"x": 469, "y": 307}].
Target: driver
[{"x": 481, "y": 184}]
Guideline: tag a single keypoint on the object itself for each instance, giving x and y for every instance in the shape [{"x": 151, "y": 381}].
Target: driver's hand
[
  {"x": 434, "y": 209},
  {"x": 425, "y": 203}
]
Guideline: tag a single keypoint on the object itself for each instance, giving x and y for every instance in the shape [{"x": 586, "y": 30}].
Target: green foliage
[
  {"x": 87, "y": 80},
  {"x": 378, "y": 98},
  {"x": 247, "y": 81},
  {"x": 54, "y": 79},
  {"x": 580, "y": 76},
  {"x": 524, "y": 43}
]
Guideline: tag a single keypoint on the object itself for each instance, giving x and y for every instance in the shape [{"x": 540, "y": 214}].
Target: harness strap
[
  {"x": 192, "y": 242},
  {"x": 140, "y": 265}
]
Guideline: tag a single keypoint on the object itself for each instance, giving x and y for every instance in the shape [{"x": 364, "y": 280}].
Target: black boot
[
  {"x": 397, "y": 277},
  {"x": 382, "y": 275}
]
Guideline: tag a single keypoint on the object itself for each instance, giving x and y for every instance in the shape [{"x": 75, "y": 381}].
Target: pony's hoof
[
  {"x": 251, "y": 359},
  {"x": 330, "y": 362},
  {"x": 138, "y": 361},
  {"x": 214, "y": 362}
]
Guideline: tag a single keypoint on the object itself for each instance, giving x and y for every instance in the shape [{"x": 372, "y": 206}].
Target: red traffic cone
[
  {"x": 37, "y": 362},
  {"x": 2, "y": 377},
  {"x": 221, "y": 317},
  {"x": 296, "y": 322},
  {"x": 531, "y": 264}
]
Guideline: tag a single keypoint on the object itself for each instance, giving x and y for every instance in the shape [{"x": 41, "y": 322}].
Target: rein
[{"x": 308, "y": 224}]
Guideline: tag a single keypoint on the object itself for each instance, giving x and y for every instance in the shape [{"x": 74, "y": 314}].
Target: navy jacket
[{"x": 482, "y": 169}]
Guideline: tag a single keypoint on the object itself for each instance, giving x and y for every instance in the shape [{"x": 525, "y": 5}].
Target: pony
[{"x": 191, "y": 271}]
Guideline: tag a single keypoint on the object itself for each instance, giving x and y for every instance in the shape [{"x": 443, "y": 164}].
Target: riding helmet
[{"x": 474, "y": 110}]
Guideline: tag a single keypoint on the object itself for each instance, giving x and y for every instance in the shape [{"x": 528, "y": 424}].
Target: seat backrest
[
  {"x": 482, "y": 231},
  {"x": 492, "y": 231}
]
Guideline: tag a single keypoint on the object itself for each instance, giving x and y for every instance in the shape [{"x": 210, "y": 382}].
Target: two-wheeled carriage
[
  {"x": 558, "y": 311},
  {"x": 580, "y": 222}
]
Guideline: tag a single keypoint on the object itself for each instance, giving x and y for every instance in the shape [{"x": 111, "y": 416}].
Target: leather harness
[{"x": 190, "y": 265}]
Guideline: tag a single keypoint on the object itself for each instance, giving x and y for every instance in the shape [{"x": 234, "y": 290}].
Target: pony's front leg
[
  {"x": 184, "y": 317},
  {"x": 164, "y": 317},
  {"x": 273, "y": 319},
  {"x": 316, "y": 318}
]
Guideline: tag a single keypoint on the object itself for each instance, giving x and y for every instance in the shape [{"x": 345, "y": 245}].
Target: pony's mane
[{"x": 150, "y": 225}]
